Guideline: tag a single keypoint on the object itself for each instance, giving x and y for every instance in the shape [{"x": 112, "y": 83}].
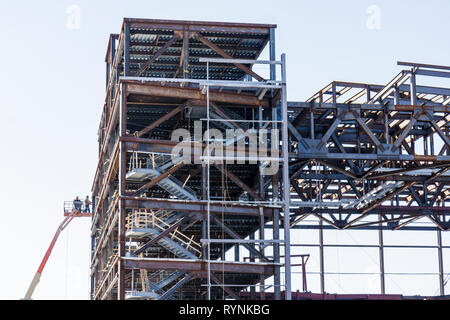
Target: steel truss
[
  {"x": 373, "y": 146},
  {"x": 373, "y": 157}
]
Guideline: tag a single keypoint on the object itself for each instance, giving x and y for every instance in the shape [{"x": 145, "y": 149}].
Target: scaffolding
[{"x": 180, "y": 212}]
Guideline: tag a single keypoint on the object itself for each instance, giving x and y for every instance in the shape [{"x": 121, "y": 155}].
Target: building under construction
[{"x": 216, "y": 223}]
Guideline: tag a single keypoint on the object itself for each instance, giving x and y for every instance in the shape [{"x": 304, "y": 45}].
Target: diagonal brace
[
  {"x": 221, "y": 52},
  {"x": 160, "y": 121},
  {"x": 156, "y": 55},
  {"x": 239, "y": 182},
  {"x": 234, "y": 235},
  {"x": 162, "y": 235}
]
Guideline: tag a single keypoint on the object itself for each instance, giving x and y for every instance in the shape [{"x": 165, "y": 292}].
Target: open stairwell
[
  {"x": 150, "y": 224},
  {"x": 171, "y": 184},
  {"x": 161, "y": 227},
  {"x": 158, "y": 226}
]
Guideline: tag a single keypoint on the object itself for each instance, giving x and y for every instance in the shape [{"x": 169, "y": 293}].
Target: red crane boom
[{"x": 69, "y": 215}]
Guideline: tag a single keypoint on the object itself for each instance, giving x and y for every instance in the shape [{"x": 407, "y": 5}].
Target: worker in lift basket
[
  {"x": 77, "y": 204},
  {"x": 87, "y": 203}
]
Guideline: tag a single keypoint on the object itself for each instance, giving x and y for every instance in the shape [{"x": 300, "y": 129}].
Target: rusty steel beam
[
  {"x": 198, "y": 26},
  {"x": 198, "y": 265},
  {"x": 157, "y": 90}
]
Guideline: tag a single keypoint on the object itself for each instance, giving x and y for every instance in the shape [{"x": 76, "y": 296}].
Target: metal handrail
[{"x": 69, "y": 206}]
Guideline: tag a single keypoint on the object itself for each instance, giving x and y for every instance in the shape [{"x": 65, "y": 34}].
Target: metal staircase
[
  {"x": 158, "y": 286},
  {"x": 171, "y": 184},
  {"x": 142, "y": 223},
  {"x": 154, "y": 284},
  {"x": 148, "y": 224},
  {"x": 151, "y": 224}
]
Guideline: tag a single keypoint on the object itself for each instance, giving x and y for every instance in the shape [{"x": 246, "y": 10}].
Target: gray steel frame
[{"x": 359, "y": 145}]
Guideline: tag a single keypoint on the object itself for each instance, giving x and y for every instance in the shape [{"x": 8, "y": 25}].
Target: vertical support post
[
  {"x": 441, "y": 264},
  {"x": 322, "y": 263},
  {"x": 286, "y": 183},
  {"x": 333, "y": 91},
  {"x": 413, "y": 89},
  {"x": 208, "y": 192},
  {"x": 107, "y": 73},
  {"x": 261, "y": 249},
  {"x": 204, "y": 222},
  {"x": 425, "y": 193},
  {"x": 126, "y": 51},
  {"x": 93, "y": 277},
  {"x": 381, "y": 255},
  {"x": 185, "y": 65},
  {"x": 237, "y": 253},
  {"x": 113, "y": 51},
  {"x": 396, "y": 95},
  {"x": 204, "y": 253},
  {"x": 262, "y": 221},
  {"x": 305, "y": 284},
  {"x": 252, "y": 259},
  {"x": 386, "y": 126},
  {"x": 110, "y": 62},
  {"x": 122, "y": 188},
  {"x": 276, "y": 236},
  {"x": 275, "y": 178},
  {"x": 93, "y": 247},
  {"x": 432, "y": 151},
  {"x": 273, "y": 55}
]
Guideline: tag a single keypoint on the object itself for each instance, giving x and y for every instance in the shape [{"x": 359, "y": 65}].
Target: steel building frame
[
  {"x": 361, "y": 156},
  {"x": 152, "y": 214}
]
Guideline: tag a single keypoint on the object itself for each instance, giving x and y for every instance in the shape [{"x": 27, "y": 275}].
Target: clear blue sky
[{"x": 52, "y": 87}]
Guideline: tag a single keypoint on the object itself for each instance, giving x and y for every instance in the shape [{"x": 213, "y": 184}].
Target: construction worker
[
  {"x": 77, "y": 204},
  {"x": 87, "y": 203}
]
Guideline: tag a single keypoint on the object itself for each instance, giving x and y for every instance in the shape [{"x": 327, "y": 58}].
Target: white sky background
[{"x": 52, "y": 88}]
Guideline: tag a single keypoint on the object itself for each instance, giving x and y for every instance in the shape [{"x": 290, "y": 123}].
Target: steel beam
[
  {"x": 156, "y": 90},
  {"x": 198, "y": 265},
  {"x": 193, "y": 206}
]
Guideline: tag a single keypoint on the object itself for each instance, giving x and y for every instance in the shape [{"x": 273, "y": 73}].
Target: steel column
[
  {"x": 286, "y": 184},
  {"x": 441, "y": 264},
  {"x": 381, "y": 256}
]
